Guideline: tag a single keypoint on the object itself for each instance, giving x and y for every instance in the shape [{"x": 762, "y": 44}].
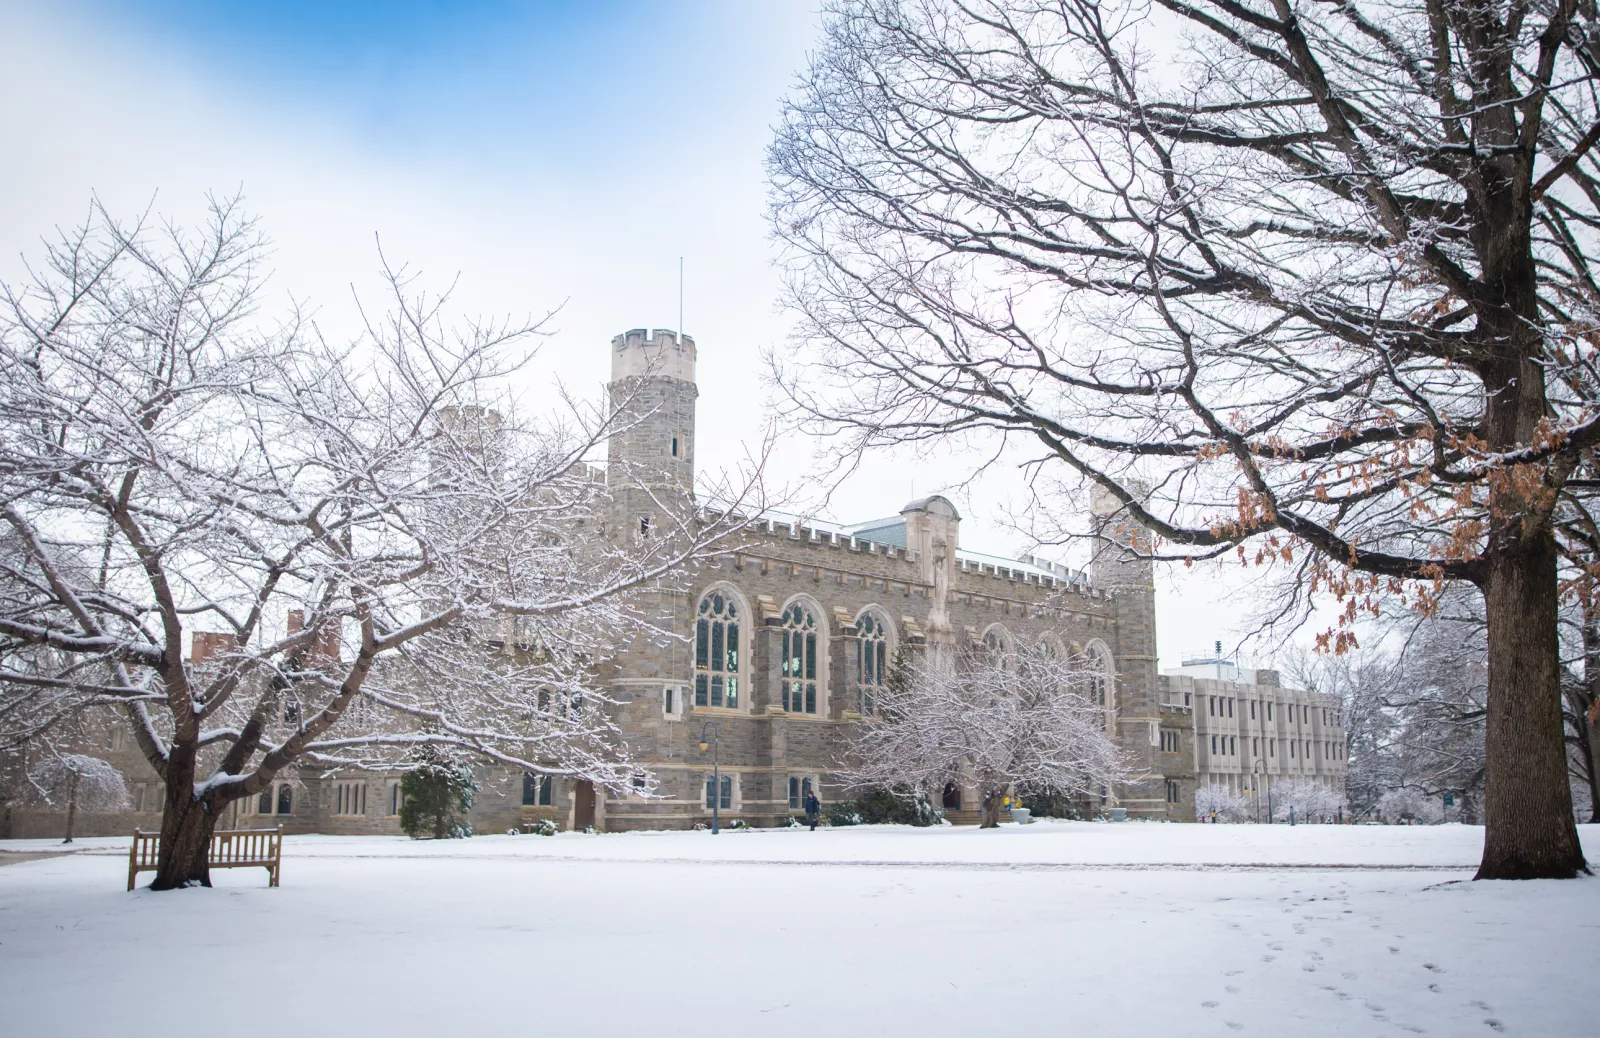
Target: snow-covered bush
[
  {"x": 737, "y": 823},
  {"x": 1410, "y": 805},
  {"x": 543, "y": 827},
  {"x": 73, "y": 781},
  {"x": 1227, "y": 805},
  {"x": 900, "y": 805},
  {"x": 436, "y": 795},
  {"x": 842, "y": 814},
  {"x": 1310, "y": 800}
]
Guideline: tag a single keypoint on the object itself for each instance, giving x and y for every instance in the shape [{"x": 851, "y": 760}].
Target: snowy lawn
[{"x": 1051, "y": 929}]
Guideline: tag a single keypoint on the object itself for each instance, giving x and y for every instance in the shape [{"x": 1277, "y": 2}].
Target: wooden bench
[{"x": 230, "y": 849}]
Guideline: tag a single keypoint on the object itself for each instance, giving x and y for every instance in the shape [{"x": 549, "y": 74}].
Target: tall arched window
[
  {"x": 872, "y": 659},
  {"x": 1098, "y": 686},
  {"x": 716, "y": 652},
  {"x": 799, "y": 670}
]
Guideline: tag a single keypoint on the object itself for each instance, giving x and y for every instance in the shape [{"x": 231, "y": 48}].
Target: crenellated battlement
[{"x": 658, "y": 353}]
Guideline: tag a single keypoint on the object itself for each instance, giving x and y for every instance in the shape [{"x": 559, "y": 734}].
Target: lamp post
[
  {"x": 716, "y": 769},
  {"x": 1260, "y": 768}
]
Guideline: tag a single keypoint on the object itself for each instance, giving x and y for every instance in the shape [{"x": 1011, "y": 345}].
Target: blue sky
[{"x": 539, "y": 155}]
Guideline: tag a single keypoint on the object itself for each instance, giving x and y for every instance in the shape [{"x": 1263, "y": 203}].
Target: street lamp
[
  {"x": 1260, "y": 768},
  {"x": 716, "y": 768}
]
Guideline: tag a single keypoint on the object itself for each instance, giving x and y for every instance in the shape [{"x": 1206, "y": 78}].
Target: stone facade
[{"x": 800, "y": 606}]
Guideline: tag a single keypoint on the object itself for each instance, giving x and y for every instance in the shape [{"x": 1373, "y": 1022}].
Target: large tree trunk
[
  {"x": 1529, "y": 830},
  {"x": 185, "y": 859},
  {"x": 990, "y": 815},
  {"x": 186, "y": 825}
]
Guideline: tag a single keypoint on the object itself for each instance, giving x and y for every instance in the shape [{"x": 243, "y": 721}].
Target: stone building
[{"x": 782, "y": 643}]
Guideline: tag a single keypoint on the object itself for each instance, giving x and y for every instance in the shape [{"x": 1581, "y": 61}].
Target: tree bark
[
  {"x": 185, "y": 859},
  {"x": 186, "y": 826},
  {"x": 1529, "y": 830},
  {"x": 72, "y": 805}
]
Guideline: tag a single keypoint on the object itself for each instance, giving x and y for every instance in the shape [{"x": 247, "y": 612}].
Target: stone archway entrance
[{"x": 952, "y": 797}]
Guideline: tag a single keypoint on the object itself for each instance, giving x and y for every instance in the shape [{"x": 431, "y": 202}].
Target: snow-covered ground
[{"x": 1051, "y": 929}]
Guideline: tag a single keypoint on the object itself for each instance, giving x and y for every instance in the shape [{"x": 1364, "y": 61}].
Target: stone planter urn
[
  {"x": 1119, "y": 814},
  {"x": 1021, "y": 815}
]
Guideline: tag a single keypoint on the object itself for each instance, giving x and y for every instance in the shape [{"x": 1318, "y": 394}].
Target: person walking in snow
[{"x": 813, "y": 809}]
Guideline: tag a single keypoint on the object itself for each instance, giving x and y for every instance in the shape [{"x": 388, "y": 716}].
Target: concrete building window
[
  {"x": 394, "y": 799},
  {"x": 1269, "y": 709},
  {"x": 1272, "y": 747},
  {"x": 872, "y": 659},
  {"x": 1252, "y": 709},
  {"x": 799, "y": 661},
  {"x": 716, "y": 652},
  {"x": 1213, "y": 744},
  {"x": 727, "y": 792},
  {"x": 1233, "y": 746},
  {"x": 537, "y": 790},
  {"x": 674, "y": 446},
  {"x": 799, "y": 788},
  {"x": 349, "y": 799},
  {"x": 1230, "y": 706},
  {"x": 1172, "y": 792},
  {"x": 1211, "y": 706}
]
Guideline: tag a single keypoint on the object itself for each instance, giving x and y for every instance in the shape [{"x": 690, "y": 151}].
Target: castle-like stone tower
[
  {"x": 653, "y": 393},
  {"x": 1122, "y": 569}
]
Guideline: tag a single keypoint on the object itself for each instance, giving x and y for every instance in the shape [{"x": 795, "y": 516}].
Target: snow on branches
[
  {"x": 283, "y": 551},
  {"x": 992, "y": 720}
]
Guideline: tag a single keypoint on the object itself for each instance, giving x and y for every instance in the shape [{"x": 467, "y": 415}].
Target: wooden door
[{"x": 583, "y": 806}]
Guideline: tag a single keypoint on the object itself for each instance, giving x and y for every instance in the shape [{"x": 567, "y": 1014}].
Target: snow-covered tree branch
[
  {"x": 244, "y": 536},
  {"x": 1023, "y": 719}
]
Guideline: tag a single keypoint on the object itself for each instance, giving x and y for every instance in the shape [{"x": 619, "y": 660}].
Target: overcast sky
[{"x": 546, "y": 155}]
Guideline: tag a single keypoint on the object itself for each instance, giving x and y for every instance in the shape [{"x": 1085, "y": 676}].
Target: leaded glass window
[
  {"x": 726, "y": 800},
  {"x": 798, "y": 672},
  {"x": 872, "y": 660},
  {"x": 716, "y": 652},
  {"x": 536, "y": 790},
  {"x": 799, "y": 789}
]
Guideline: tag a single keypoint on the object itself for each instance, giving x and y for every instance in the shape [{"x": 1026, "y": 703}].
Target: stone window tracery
[
  {"x": 716, "y": 652},
  {"x": 798, "y": 672},
  {"x": 872, "y": 660}
]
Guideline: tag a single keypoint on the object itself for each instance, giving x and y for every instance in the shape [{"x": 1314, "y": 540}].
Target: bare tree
[
  {"x": 77, "y": 780},
  {"x": 1319, "y": 274},
  {"x": 1021, "y": 719},
  {"x": 270, "y": 551}
]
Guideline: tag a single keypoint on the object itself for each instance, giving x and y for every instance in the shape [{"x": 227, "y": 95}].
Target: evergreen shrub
[
  {"x": 898, "y": 806},
  {"x": 435, "y": 797},
  {"x": 843, "y": 814}
]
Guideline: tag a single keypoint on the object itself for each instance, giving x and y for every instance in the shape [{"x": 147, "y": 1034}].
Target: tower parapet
[{"x": 663, "y": 353}]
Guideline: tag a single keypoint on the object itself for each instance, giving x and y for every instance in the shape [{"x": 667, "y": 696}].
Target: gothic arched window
[
  {"x": 1098, "y": 684},
  {"x": 799, "y": 670},
  {"x": 716, "y": 652},
  {"x": 872, "y": 659}
]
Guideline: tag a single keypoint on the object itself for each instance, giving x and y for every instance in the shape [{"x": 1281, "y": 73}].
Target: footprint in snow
[
  {"x": 1431, "y": 966},
  {"x": 1230, "y": 989},
  {"x": 1233, "y": 1026},
  {"x": 1495, "y": 1025},
  {"x": 1210, "y": 1005}
]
